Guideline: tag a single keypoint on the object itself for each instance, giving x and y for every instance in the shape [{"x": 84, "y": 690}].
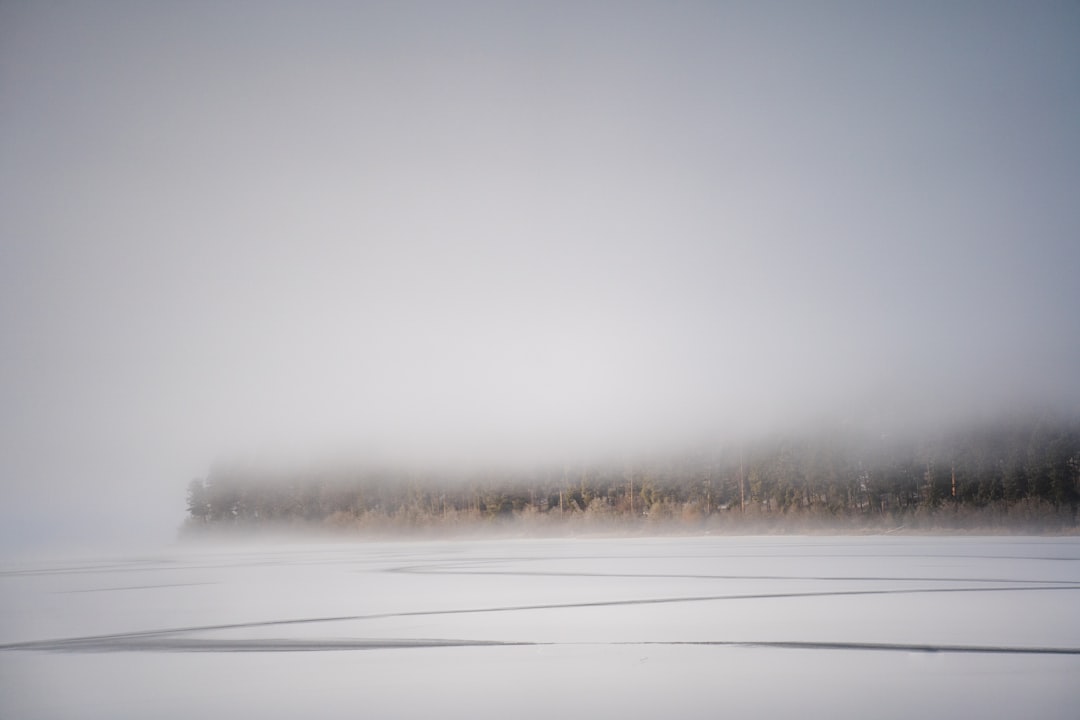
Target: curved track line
[
  {"x": 435, "y": 570},
  {"x": 520, "y": 608},
  {"x": 167, "y": 644},
  {"x": 130, "y": 587},
  {"x": 177, "y": 565}
]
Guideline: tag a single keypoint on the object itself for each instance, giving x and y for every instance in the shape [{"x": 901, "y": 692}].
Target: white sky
[{"x": 236, "y": 229}]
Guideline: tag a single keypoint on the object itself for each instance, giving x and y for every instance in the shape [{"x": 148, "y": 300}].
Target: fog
[{"x": 484, "y": 231}]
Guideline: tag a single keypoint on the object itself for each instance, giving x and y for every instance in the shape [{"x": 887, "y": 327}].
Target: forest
[{"x": 1016, "y": 476}]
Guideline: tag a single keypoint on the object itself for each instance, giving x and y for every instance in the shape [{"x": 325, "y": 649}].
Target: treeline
[{"x": 1022, "y": 475}]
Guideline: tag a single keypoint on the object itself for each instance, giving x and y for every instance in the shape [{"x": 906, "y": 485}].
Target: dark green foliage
[
  {"x": 198, "y": 502},
  {"x": 1018, "y": 475}
]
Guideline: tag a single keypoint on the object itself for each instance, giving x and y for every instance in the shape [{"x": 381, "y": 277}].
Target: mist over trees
[{"x": 1020, "y": 475}]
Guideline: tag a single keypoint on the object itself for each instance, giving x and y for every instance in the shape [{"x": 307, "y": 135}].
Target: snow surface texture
[{"x": 746, "y": 627}]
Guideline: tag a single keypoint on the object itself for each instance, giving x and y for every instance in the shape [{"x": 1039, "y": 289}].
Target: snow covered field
[{"x": 840, "y": 627}]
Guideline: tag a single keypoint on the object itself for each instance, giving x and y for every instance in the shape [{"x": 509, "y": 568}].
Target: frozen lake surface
[{"x": 838, "y": 627}]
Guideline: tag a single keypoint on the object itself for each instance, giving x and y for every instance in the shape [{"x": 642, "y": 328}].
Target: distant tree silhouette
[{"x": 1004, "y": 475}]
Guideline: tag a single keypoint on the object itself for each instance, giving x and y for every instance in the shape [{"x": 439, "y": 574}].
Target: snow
[{"x": 640, "y": 627}]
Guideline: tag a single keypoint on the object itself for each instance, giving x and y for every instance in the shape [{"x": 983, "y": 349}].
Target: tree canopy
[{"x": 1021, "y": 475}]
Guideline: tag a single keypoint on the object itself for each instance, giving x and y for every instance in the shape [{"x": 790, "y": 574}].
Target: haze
[{"x": 471, "y": 230}]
